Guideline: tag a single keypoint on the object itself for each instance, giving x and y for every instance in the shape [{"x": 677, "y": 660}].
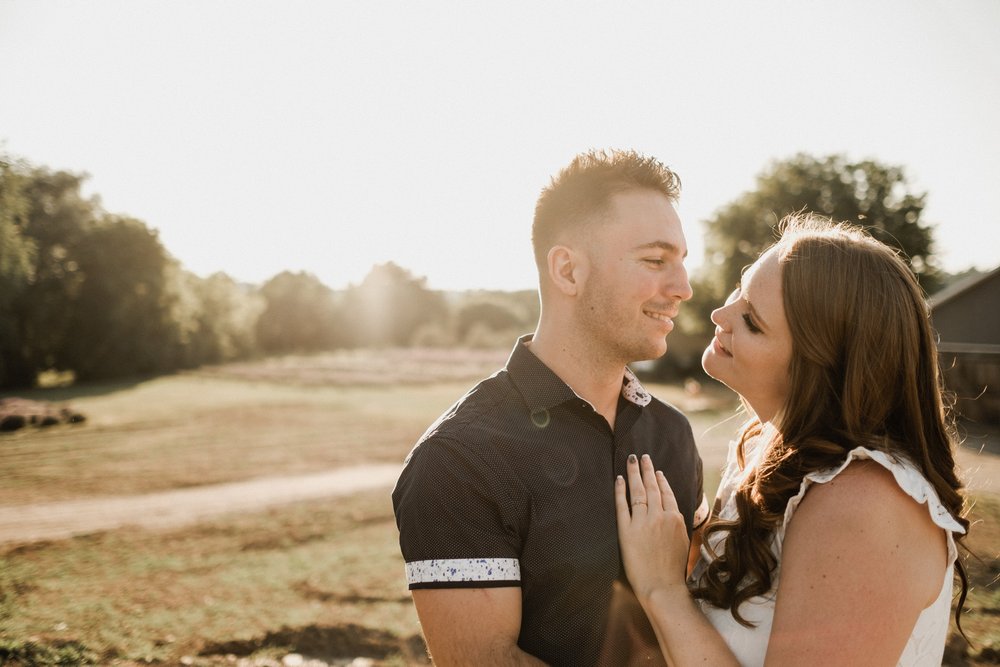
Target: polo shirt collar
[
  {"x": 543, "y": 389},
  {"x": 633, "y": 390}
]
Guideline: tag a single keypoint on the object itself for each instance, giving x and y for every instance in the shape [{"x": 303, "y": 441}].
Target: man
[{"x": 506, "y": 506}]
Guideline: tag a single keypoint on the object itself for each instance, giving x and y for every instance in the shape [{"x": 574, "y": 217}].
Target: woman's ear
[{"x": 567, "y": 269}]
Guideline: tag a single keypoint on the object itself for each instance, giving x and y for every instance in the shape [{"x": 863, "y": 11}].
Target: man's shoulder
[
  {"x": 667, "y": 413},
  {"x": 459, "y": 441},
  {"x": 486, "y": 400}
]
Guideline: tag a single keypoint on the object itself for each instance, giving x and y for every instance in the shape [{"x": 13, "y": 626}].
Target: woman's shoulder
[
  {"x": 875, "y": 483},
  {"x": 866, "y": 517},
  {"x": 865, "y": 489}
]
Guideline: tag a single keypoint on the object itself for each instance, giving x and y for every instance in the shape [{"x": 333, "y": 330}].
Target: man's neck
[{"x": 595, "y": 379}]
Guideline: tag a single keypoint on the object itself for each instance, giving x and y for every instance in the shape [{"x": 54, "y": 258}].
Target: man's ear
[{"x": 567, "y": 269}]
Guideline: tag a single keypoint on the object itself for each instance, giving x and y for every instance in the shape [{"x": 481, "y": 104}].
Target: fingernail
[
  {"x": 619, "y": 480},
  {"x": 631, "y": 458},
  {"x": 645, "y": 457}
]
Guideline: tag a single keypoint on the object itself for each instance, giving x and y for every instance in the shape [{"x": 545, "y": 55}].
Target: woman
[{"x": 833, "y": 538}]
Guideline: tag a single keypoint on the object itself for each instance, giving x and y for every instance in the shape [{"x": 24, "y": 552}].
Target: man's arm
[{"x": 472, "y": 626}]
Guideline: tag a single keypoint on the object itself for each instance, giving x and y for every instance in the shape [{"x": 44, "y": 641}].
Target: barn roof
[{"x": 956, "y": 289}]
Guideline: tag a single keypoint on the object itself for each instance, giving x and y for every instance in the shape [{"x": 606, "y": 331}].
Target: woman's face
[{"x": 752, "y": 347}]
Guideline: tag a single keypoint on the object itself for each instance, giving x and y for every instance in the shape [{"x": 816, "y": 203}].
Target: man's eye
[
  {"x": 653, "y": 260},
  {"x": 750, "y": 325}
]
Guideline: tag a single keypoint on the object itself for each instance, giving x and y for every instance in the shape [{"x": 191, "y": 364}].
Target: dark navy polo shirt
[{"x": 514, "y": 486}]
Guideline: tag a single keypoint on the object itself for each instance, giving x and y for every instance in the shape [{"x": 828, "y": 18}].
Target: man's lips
[
  {"x": 664, "y": 319},
  {"x": 659, "y": 315}
]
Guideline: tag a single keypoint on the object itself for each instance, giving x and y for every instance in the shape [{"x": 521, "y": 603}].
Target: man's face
[{"x": 636, "y": 278}]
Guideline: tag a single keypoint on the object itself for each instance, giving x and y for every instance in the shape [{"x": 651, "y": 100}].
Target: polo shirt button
[{"x": 540, "y": 418}]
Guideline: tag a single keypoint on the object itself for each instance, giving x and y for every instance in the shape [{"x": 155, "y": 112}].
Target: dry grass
[
  {"x": 388, "y": 367},
  {"x": 189, "y": 430},
  {"x": 322, "y": 578}
]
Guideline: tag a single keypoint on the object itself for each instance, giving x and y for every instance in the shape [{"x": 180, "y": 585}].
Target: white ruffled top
[{"x": 926, "y": 643}]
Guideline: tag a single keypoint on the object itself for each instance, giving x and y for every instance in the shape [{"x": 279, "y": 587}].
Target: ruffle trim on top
[{"x": 907, "y": 477}]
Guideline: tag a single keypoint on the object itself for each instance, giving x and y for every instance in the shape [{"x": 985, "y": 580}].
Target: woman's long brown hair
[{"x": 864, "y": 371}]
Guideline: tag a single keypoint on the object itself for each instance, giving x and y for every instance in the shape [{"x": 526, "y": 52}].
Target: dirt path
[
  {"x": 23, "y": 524},
  {"x": 58, "y": 520}
]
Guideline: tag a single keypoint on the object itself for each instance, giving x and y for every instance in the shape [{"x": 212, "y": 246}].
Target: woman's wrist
[{"x": 667, "y": 595}]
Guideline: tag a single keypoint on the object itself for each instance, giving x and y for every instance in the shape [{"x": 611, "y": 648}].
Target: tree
[
  {"x": 88, "y": 292},
  {"x": 390, "y": 305},
  {"x": 121, "y": 312},
  {"x": 490, "y": 318},
  {"x": 215, "y": 317},
  {"x": 868, "y": 193},
  {"x": 17, "y": 263},
  {"x": 97, "y": 294},
  {"x": 55, "y": 218},
  {"x": 228, "y": 317},
  {"x": 299, "y": 314}
]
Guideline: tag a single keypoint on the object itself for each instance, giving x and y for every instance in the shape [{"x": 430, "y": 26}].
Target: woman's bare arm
[{"x": 860, "y": 561}]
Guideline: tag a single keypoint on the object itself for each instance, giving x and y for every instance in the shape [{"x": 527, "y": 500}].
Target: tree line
[{"x": 96, "y": 293}]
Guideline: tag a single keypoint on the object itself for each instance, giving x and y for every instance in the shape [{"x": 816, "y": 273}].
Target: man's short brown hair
[{"x": 583, "y": 190}]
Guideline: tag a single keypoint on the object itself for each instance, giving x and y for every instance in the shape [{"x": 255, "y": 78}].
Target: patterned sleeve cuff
[{"x": 463, "y": 572}]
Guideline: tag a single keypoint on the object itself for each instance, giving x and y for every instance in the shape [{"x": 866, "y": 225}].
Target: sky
[{"x": 258, "y": 137}]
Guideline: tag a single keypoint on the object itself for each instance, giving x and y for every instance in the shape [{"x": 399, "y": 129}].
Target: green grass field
[{"x": 321, "y": 578}]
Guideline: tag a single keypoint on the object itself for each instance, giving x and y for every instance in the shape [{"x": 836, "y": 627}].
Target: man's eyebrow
[{"x": 662, "y": 245}]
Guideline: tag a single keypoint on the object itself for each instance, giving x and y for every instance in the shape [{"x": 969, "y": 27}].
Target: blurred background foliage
[
  {"x": 868, "y": 193},
  {"x": 90, "y": 295}
]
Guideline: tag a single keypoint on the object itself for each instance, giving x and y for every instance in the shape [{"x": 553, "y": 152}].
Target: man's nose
[{"x": 679, "y": 287}]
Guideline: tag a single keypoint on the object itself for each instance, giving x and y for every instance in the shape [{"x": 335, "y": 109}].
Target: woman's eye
[{"x": 750, "y": 325}]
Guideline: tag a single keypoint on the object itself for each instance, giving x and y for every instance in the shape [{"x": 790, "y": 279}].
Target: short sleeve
[
  {"x": 702, "y": 508},
  {"x": 697, "y": 500},
  {"x": 457, "y": 524}
]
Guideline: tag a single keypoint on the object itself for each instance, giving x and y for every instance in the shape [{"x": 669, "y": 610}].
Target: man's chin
[{"x": 652, "y": 352}]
